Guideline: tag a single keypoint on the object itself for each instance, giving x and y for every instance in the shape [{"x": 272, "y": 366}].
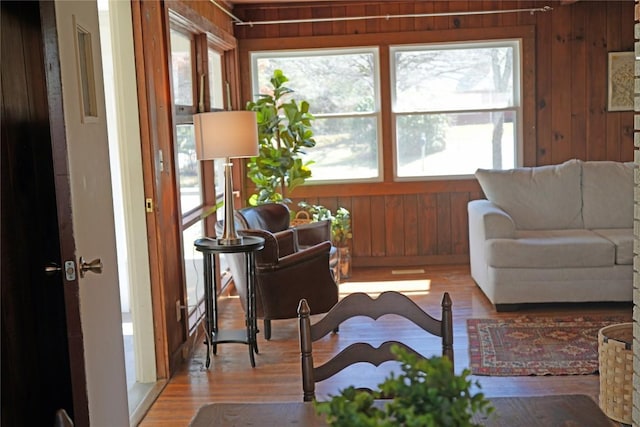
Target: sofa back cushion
[
  {"x": 537, "y": 198},
  {"x": 607, "y": 194}
]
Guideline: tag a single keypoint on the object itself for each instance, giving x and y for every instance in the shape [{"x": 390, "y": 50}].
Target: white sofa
[{"x": 561, "y": 233}]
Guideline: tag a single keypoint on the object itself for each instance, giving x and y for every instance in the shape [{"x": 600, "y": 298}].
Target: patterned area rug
[{"x": 536, "y": 346}]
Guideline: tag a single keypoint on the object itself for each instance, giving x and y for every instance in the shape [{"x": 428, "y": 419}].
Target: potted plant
[
  {"x": 340, "y": 232},
  {"x": 284, "y": 132},
  {"x": 427, "y": 394},
  {"x": 341, "y": 235}
]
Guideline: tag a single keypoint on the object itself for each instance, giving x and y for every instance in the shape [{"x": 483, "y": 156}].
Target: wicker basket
[
  {"x": 302, "y": 217},
  {"x": 615, "y": 359}
]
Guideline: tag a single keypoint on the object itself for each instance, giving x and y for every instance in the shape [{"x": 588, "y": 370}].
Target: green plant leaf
[
  {"x": 284, "y": 130},
  {"x": 426, "y": 392}
]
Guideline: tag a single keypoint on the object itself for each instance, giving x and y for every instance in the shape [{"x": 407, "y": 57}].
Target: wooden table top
[{"x": 542, "y": 411}]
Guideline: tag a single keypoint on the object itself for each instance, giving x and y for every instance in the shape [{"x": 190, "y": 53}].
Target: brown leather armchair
[
  {"x": 276, "y": 217},
  {"x": 285, "y": 272}
]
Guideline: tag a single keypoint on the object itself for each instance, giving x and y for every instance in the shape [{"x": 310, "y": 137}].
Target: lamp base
[
  {"x": 229, "y": 236},
  {"x": 229, "y": 241}
]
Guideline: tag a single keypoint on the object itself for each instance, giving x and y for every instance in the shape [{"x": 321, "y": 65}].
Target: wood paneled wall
[{"x": 418, "y": 223}]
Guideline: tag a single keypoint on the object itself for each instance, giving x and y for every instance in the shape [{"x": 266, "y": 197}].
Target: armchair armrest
[
  {"x": 313, "y": 233},
  {"x": 304, "y": 274},
  {"x": 306, "y": 254},
  {"x": 276, "y": 245},
  {"x": 294, "y": 258},
  {"x": 269, "y": 254},
  {"x": 286, "y": 242}
]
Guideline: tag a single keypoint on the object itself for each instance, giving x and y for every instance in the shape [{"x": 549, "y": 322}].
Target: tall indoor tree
[{"x": 284, "y": 133}]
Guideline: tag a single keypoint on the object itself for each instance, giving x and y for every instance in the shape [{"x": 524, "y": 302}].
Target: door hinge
[{"x": 148, "y": 203}]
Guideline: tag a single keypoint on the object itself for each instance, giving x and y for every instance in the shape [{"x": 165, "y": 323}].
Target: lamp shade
[{"x": 222, "y": 134}]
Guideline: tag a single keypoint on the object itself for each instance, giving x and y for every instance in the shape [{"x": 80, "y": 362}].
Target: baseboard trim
[{"x": 409, "y": 261}]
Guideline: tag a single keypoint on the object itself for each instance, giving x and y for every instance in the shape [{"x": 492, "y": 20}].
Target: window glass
[
  {"x": 193, "y": 265},
  {"x": 456, "y": 108},
  {"x": 345, "y": 105},
  {"x": 188, "y": 169},
  {"x": 343, "y": 148},
  {"x": 218, "y": 166},
  {"x": 455, "y": 143},
  {"x": 181, "y": 68},
  {"x": 216, "y": 89}
]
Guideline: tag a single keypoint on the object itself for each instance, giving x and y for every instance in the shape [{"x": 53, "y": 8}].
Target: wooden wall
[{"x": 422, "y": 223}]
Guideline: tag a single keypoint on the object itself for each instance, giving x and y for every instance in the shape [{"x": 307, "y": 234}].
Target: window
[
  {"x": 214, "y": 68},
  {"x": 456, "y": 108},
  {"x": 182, "y": 60},
  {"x": 216, "y": 95},
  {"x": 188, "y": 167},
  {"x": 342, "y": 89}
]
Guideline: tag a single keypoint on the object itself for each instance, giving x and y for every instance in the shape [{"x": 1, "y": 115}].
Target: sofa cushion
[
  {"x": 537, "y": 198},
  {"x": 607, "y": 194},
  {"x": 623, "y": 239},
  {"x": 551, "y": 249}
]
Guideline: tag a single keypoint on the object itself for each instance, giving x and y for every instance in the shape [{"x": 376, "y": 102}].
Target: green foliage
[
  {"x": 340, "y": 222},
  {"x": 284, "y": 132},
  {"x": 427, "y": 394},
  {"x": 341, "y": 227}
]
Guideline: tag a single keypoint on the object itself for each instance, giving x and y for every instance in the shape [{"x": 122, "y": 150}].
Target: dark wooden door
[{"x": 36, "y": 368}]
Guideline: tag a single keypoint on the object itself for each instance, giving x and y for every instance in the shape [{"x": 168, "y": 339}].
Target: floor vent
[{"x": 409, "y": 271}]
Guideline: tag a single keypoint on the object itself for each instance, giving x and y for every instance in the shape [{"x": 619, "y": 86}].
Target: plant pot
[{"x": 344, "y": 262}]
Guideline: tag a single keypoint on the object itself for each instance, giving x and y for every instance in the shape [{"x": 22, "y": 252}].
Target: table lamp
[{"x": 226, "y": 134}]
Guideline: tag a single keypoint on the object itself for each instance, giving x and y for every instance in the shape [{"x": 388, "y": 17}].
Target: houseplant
[
  {"x": 284, "y": 132},
  {"x": 341, "y": 235},
  {"x": 340, "y": 231},
  {"x": 427, "y": 394}
]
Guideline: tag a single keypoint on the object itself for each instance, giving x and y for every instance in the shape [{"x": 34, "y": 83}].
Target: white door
[{"x": 92, "y": 207}]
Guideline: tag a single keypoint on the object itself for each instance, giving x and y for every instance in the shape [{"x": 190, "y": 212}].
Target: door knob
[{"x": 94, "y": 266}]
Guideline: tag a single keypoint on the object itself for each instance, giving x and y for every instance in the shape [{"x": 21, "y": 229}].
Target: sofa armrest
[
  {"x": 490, "y": 220},
  {"x": 486, "y": 221}
]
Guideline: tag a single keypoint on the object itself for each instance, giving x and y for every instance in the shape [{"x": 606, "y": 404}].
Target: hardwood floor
[{"x": 277, "y": 373}]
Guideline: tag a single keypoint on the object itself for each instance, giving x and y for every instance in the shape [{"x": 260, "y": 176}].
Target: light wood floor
[{"x": 277, "y": 373}]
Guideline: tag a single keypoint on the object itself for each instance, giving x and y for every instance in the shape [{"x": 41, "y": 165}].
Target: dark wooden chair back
[{"x": 361, "y": 304}]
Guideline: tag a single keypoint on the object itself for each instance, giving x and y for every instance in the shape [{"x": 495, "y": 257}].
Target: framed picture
[{"x": 621, "y": 65}]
